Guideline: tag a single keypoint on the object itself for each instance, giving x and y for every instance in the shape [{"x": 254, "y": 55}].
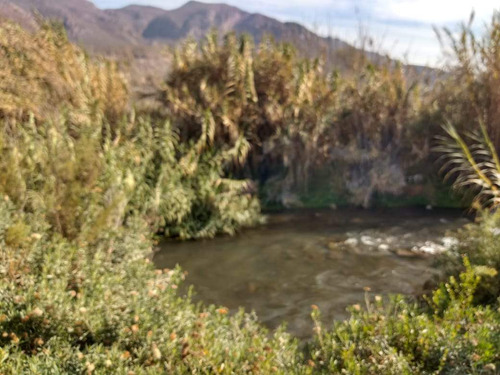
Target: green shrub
[
  {"x": 447, "y": 335},
  {"x": 480, "y": 243},
  {"x": 91, "y": 183},
  {"x": 79, "y": 308}
]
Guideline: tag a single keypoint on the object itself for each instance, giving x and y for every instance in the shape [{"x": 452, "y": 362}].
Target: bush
[
  {"x": 468, "y": 93},
  {"x": 91, "y": 183},
  {"x": 480, "y": 243},
  {"x": 79, "y": 308},
  {"x": 45, "y": 76},
  {"x": 73, "y": 152},
  {"x": 447, "y": 335},
  {"x": 291, "y": 116}
]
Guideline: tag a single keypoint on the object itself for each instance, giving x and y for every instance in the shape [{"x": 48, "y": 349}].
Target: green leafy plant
[
  {"x": 447, "y": 335},
  {"x": 475, "y": 168}
]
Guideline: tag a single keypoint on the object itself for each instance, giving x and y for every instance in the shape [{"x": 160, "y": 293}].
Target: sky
[{"x": 403, "y": 28}]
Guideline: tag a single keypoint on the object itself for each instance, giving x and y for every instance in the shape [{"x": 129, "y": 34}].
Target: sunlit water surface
[{"x": 323, "y": 258}]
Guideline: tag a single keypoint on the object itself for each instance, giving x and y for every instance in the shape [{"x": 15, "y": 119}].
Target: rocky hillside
[{"x": 110, "y": 30}]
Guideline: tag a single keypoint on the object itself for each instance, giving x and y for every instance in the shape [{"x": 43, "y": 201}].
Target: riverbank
[{"x": 101, "y": 308}]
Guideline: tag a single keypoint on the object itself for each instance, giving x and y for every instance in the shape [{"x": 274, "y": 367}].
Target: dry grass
[{"x": 44, "y": 75}]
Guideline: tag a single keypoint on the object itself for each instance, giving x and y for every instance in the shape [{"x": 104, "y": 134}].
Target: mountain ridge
[
  {"x": 105, "y": 30},
  {"x": 138, "y": 34}
]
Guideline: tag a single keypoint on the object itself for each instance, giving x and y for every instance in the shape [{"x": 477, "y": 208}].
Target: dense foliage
[
  {"x": 76, "y": 308},
  {"x": 45, "y": 76},
  {"x": 294, "y": 117},
  {"x": 86, "y": 170},
  {"x": 362, "y": 134},
  {"x": 448, "y": 335},
  {"x": 469, "y": 93},
  {"x": 480, "y": 243}
]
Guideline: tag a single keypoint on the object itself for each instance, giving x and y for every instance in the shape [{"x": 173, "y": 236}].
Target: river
[{"x": 326, "y": 258}]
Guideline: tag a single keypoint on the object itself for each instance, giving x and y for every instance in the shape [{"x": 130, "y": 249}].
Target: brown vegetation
[{"x": 45, "y": 76}]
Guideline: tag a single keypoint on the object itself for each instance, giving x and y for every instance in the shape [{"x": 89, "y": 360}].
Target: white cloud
[{"x": 435, "y": 11}]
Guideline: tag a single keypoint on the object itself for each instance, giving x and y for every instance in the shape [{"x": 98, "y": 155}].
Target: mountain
[
  {"x": 86, "y": 24},
  {"x": 137, "y": 33},
  {"x": 110, "y": 30}
]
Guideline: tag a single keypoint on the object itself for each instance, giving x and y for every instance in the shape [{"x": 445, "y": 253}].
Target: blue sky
[{"x": 400, "y": 27}]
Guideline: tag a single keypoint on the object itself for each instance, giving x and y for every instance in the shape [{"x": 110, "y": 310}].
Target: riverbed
[{"x": 328, "y": 258}]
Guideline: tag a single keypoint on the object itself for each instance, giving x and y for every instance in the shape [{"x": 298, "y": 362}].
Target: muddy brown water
[{"x": 323, "y": 258}]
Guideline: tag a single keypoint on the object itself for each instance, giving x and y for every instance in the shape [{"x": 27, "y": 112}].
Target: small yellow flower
[
  {"x": 314, "y": 307},
  {"x": 222, "y": 311}
]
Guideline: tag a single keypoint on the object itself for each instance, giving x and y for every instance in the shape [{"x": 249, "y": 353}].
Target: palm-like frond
[{"x": 473, "y": 166}]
